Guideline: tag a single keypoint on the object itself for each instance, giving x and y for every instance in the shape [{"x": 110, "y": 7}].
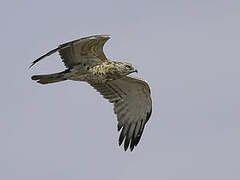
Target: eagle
[{"x": 85, "y": 61}]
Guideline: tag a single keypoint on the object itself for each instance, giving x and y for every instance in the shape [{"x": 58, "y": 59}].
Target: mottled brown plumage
[{"x": 85, "y": 61}]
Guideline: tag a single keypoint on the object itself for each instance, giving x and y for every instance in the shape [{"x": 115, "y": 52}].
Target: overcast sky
[{"x": 189, "y": 53}]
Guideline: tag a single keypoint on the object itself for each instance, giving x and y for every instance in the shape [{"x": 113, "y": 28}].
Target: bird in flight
[{"x": 85, "y": 61}]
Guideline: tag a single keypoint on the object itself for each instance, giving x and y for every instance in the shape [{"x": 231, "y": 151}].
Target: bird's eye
[{"x": 128, "y": 67}]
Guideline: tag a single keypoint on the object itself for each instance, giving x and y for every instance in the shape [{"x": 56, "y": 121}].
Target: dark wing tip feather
[
  {"x": 129, "y": 135},
  {"x": 35, "y": 77},
  {"x": 133, "y": 138},
  {"x": 126, "y": 143},
  {"x": 119, "y": 126},
  {"x": 31, "y": 65},
  {"x": 148, "y": 115},
  {"x": 130, "y": 138},
  {"x": 43, "y": 56},
  {"x": 122, "y": 135}
]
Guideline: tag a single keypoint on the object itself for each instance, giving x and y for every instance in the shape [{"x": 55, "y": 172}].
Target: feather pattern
[{"x": 132, "y": 105}]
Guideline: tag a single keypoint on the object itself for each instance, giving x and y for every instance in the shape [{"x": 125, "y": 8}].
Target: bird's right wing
[
  {"x": 132, "y": 105},
  {"x": 88, "y": 50}
]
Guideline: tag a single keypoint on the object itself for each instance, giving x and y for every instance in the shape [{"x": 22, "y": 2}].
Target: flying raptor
[{"x": 85, "y": 61}]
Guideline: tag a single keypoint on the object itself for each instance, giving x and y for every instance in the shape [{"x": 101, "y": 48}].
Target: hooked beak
[{"x": 135, "y": 70}]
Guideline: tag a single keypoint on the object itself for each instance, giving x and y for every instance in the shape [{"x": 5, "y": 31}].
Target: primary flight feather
[{"x": 86, "y": 61}]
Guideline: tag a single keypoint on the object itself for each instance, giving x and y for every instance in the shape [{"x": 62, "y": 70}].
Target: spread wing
[
  {"x": 88, "y": 50},
  {"x": 132, "y": 105}
]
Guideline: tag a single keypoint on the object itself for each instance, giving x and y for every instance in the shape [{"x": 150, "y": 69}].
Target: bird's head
[{"x": 125, "y": 68}]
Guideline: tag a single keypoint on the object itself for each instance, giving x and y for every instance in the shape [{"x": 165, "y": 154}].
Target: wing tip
[
  {"x": 148, "y": 115},
  {"x": 31, "y": 65}
]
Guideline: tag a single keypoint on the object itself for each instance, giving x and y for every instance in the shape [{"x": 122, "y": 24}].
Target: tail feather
[{"x": 50, "y": 78}]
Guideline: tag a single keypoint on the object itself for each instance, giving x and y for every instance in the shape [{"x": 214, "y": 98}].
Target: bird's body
[
  {"x": 96, "y": 74},
  {"x": 86, "y": 62}
]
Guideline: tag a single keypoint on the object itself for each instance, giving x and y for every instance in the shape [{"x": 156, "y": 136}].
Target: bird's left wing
[
  {"x": 132, "y": 105},
  {"x": 88, "y": 50}
]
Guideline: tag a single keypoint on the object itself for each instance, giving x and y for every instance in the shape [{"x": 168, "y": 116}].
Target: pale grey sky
[{"x": 189, "y": 53}]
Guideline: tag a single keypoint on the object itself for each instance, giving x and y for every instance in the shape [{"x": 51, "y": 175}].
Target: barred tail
[{"x": 50, "y": 78}]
